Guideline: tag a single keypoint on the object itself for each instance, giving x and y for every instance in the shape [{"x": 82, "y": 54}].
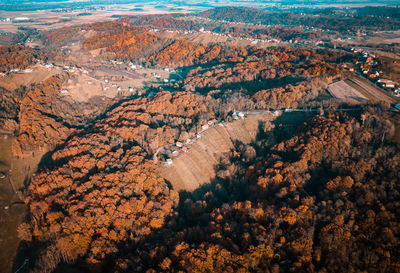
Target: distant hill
[
  {"x": 383, "y": 18},
  {"x": 32, "y": 5}
]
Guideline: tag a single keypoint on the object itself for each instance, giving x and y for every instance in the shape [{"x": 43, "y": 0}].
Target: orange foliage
[{"x": 20, "y": 57}]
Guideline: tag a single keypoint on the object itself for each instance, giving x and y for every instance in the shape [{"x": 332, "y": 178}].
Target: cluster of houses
[
  {"x": 367, "y": 66},
  {"x": 67, "y": 68},
  {"x": 158, "y": 77},
  {"x": 105, "y": 79},
  {"x": 367, "y": 63},
  {"x": 74, "y": 70},
  {"x": 133, "y": 67},
  {"x": 237, "y": 115},
  {"x": 24, "y": 71},
  {"x": 164, "y": 80},
  {"x": 128, "y": 66},
  {"x": 262, "y": 26},
  {"x": 387, "y": 83},
  {"x": 180, "y": 146},
  {"x": 209, "y": 124},
  {"x": 16, "y": 71},
  {"x": 119, "y": 88},
  {"x": 19, "y": 19},
  {"x": 348, "y": 66},
  {"x": 229, "y": 36},
  {"x": 108, "y": 79}
]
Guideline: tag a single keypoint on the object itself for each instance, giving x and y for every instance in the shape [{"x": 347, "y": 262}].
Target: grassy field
[
  {"x": 390, "y": 66},
  {"x": 12, "y": 208},
  {"x": 38, "y": 74}
]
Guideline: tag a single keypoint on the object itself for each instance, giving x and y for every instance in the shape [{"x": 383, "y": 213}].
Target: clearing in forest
[
  {"x": 196, "y": 167},
  {"x": 344, "y": 91}
]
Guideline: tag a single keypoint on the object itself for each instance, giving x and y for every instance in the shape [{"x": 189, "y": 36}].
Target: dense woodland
[
  {"x": 114, "y": 192},
  {"x": 323, "y": 200},
  {"x": 46, "y": 118},
  {"x": 9, "y": 108},
  {"x": 17, "y": 57}
]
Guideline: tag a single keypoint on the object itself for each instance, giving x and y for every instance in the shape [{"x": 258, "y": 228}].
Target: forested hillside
[{"x": 230, "y": 140}]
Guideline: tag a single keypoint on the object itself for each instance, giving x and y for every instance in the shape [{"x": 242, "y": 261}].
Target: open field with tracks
[{"x": 342, "y": 90}]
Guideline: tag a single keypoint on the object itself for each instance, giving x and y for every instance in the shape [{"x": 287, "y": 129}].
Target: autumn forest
[{"x": 116, "y": 123}]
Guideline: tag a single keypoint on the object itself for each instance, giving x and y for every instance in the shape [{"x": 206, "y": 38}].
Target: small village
[
  {"x": 169, "y": 151},
  {"x": 368, "y": 67},
  {"x": 115, "y": 78}
]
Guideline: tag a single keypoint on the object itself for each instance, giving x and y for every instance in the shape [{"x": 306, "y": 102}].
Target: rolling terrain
[{"x": 231, "y": 139}]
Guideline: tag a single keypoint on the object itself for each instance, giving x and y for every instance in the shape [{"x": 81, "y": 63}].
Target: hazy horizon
[{"x": 53, "y": 4}]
